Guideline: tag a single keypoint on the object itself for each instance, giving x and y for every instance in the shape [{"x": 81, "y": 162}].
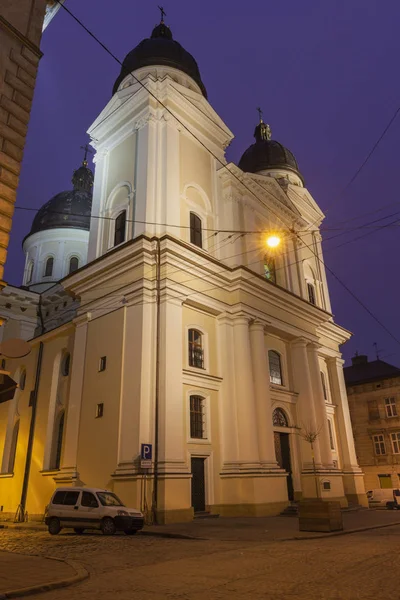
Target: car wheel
[
  {"x": 108, "y": 526},
  {"x": 54, "y": 526},
  {"x": 79, "y": 530},
  {"x": 130, "y": 531}
]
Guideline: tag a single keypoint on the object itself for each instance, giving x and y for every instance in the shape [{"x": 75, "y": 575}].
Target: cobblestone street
[{"x": 361, "y": 565}]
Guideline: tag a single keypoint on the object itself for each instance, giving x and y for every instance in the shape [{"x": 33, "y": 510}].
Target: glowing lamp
[{"x": 273, "y": 241}]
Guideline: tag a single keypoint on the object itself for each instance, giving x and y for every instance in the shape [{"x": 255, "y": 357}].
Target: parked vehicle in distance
[
  {"x": 395, "y": 503},
  {"x": 378, "y": 497},
  {"x": 91, "y": 508}
]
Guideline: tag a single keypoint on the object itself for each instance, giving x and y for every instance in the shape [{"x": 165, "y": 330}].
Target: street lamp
[{"x": 273, "y": 241}]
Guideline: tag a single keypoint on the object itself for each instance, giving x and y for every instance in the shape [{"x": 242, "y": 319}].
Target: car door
[
  {"x": 90, "y": 510},
  {"x": 69, "y": 514}
]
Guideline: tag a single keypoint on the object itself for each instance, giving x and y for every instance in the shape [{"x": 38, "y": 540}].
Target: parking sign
[{"x": 146, "y": 455}]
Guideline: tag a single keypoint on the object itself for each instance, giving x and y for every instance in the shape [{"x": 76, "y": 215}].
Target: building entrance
[
  {"x": 198, "y": 484},
  {"x": 282, "y": 452}
]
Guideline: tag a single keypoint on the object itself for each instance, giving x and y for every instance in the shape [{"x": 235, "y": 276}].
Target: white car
[{"x": 91, "y": 508}]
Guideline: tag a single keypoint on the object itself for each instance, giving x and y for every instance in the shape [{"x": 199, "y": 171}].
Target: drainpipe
[
  {"x": 33, "y": 403},
  {"x": 157, "y": 390}
]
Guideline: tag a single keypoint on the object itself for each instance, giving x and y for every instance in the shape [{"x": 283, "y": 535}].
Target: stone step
[{"x": 205, "y": 515}]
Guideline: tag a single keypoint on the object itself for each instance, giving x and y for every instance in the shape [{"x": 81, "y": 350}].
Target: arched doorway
[{"x": 282, "y": 447}]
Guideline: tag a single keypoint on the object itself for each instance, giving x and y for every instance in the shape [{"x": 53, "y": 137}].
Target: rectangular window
[
  {"x": 59, "y": 497},
  {"x": 103, "y": 363},
  {"x": 331, "y": 440},
  {"x": 390, "y": 407},
  {"x": 373, "y": 410},
  {"x": 323, "y": 381},
  {"x": 311, "y": 293},
  {"x": 395, "y": 437},
  {"x": 197, "y": 417},
  {"x": 89, "y": 500},
  {"x": 99, "y": 410},
  {"x": 196, "y": 352},
  {"x": 71, "y": 498},
  {"x": 385, "y": 481},
  {"x": 379, "y": 444}
]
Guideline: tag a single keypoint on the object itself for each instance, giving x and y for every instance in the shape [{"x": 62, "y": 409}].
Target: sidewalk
[
  {"x": 257, "y": 529},
  {"x": 21, "y": 575}
]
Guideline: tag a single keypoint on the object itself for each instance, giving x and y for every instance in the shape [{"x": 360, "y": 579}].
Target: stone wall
[{"x": 20, "y": 33}]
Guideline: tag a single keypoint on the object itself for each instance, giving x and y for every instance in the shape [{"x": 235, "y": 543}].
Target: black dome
[
  {"x": 160, "y": 49},
  {"x": 69, "y": 209},
  {"x": 267, "y": 154}
]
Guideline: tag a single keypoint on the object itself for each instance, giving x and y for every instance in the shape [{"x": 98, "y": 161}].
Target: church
[{"x": 158, "y": 317}]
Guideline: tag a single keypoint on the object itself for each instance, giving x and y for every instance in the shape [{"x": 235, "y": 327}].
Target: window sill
[
  {"x": 199, "y": 441},
  {"x": 49, "y": 472},
  {"x": 6, "y": 475}
]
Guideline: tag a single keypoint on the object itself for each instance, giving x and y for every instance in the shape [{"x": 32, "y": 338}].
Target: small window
[
  {"x": 59, "y": 497},
  {"x": 22, "y": 380},
  {"x": 3, "y": 363},
  {"x": 331, "y": 440},
  {"x": 73, "y": 264},
  {"x": 196, "y": 237},
  {"x": 385, "y": 481},
  {"x": 99, "y": 410},
  {"x": 279, "y": 418},
  {"x": 196, "y": 417},
  {"x": 269, "y": 269},
  {"x": 13, "y": 449},
  {"x": 196, "y": 352},
  {"x": 48, "y": 269},
  {"x": 373, "y": 410},
  {"x": 58, "y": 441},
  {"x": 275, "y": 367},
  {"x": 120, "y": 228},
  {"x": 71, "y": 498},
  {"x": 29, "y": 272},
  {"x": 395, "y": 437},
  {"x": 65, "y": 365},
  {"x": 379, "y": 444},
  {"x": 89, "y": 500},
  {"x": 390, "y": 407},
  {"x": 326, "y": 485},
  {"x": 103, "y": 363},
  {"x": 311, "y": 294},
  {"x": 324, "y": 389}
]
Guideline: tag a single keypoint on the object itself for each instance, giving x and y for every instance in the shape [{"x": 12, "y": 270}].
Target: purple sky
[{"x": 326, "y": 76}]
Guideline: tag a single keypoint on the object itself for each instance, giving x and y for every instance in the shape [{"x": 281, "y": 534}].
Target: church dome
[
  {"x": 160, "y": 50},
  {"x": 267, "y": 154},
  {"x": 68, "y": 209}
]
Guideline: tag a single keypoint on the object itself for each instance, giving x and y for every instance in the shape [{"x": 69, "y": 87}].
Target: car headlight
[{"x": 122, "y": 513}]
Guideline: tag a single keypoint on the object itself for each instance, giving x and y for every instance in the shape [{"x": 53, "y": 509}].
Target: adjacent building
[
  {"x": 21, "y": 26},
  {"x": 373, "y": 390},
  {"x": 163, "y": 319}
]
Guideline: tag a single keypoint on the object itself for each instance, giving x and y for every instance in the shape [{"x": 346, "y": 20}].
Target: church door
[
  {"x": 282, "y": 450},
  {"x": 198, "y": 485}
]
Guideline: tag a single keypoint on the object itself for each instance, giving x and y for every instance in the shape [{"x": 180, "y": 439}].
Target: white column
[
  {"x": 319, "y": 404},
  {"x": 227, "y": 406},
  {"x": 262, "y": 396},
  {"x": 324, "y": 283},
  {"x": 171, "y": 445},
  {"x": 339, "y": 397},
  {"x": 305, "y": 405},
  {"x": 246, "y": 410},
  {"x": 69, "y": 467},
  {"x": 169, "y": 204}
]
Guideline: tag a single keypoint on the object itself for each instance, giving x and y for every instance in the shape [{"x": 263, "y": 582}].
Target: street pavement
[{"x": 360, "y": 565}]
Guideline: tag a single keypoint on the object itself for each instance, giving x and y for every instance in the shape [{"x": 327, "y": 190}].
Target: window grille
[
  {"x": 196, "y": 417},
  {"x": 395, "y": 437},
  {"x": 390, "y": 407},
  {"x": 275, "y": 367},
  {"x": 279, "y": 418},
  {"x": 196, "y": 352},
  {"x": 379, "y": 444}
]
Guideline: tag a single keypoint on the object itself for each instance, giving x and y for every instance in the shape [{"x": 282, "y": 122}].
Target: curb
[
  {"x": 81, "y": 574},
  {"x": 165, "y": 534},
  {"x": 336, "y": 533}
]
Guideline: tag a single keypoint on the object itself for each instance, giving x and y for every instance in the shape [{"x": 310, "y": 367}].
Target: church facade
[{"x": 157, "y": 315}]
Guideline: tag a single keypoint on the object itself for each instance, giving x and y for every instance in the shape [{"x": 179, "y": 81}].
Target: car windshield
[{"x": 109, "y": 499}]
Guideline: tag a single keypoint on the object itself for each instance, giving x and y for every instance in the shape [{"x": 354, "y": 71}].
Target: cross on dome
[
  {"x": 163, "y": 13},
  {"x": 87, "y": 150}
]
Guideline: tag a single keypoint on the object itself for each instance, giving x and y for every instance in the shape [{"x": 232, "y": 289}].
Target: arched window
[
  {"x": 58, "y": 439},
  {"x": 324, "y": 388},
  {"x": 22, "y": 380},
  {"x": 120, "y": 228},
  {"x": 13, "y": 448},
  {"x": 65, "y": 365},
  {"x": 269, "y": 269},
  {"x": 195, "y": 230},
  {"x": 279, "y": 418},
  {"x": 196, "y": 351},
  {"x": 275, "y": 367},
  {"x": 73, "y": 264},
  {"x": 29, "y": 271},
  {"x": 311, "y": 294},
  {"x": 48, "y": 269},
  {"x": 197, "y": 417}
]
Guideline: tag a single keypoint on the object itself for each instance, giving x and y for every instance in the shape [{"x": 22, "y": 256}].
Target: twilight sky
[{"x": 326, "y": 76}]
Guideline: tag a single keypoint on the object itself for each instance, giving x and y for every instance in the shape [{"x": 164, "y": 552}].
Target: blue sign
[{"x": 146, "y": 452}]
